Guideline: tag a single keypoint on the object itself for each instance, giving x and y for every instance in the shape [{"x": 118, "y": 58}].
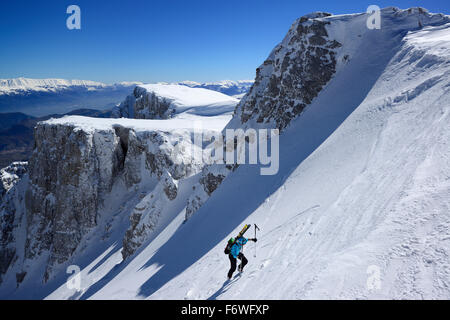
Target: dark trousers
[{"x": 233, "y": 263}]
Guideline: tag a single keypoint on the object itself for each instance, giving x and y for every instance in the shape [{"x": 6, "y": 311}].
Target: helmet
[{"x": 231, "y": 240}]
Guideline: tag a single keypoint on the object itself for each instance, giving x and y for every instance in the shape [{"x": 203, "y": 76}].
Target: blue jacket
[{"x": 237, "y": 246}]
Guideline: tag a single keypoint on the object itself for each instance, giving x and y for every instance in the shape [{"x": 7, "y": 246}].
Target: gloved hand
[{"x": 254, "y": 239}]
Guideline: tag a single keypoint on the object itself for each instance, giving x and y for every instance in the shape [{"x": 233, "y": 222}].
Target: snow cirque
[{"x": 359, "y": 208}]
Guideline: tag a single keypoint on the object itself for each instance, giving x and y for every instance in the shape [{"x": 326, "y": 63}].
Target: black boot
[{"x": 244, "y": 261}]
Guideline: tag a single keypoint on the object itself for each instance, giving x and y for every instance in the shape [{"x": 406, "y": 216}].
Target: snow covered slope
[
  {"x": 88, "y": 124},
  {"x": 360, "y": 207},
  {"x": 162, "y": 101},
  {"x": 363, "y": 189},
  {"x": 85, "y": 174}
]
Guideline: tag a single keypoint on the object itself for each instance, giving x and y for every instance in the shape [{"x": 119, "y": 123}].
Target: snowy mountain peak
[
  {"x": 316, "y": 47},
  {"x": 9, "y": 86},
  {"x": 162, "y": 101}
]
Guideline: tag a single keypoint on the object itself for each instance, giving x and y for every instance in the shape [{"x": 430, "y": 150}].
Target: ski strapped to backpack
[{"x": 241, "y": 233}]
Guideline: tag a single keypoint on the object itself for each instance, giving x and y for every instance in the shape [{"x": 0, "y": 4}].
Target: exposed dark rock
[{"x": 305, "y": 62}]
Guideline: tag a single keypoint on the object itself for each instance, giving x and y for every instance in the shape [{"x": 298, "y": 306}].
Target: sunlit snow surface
[
  {"x": 184, "y": 121},
  {"x": 198, "y": 101}
]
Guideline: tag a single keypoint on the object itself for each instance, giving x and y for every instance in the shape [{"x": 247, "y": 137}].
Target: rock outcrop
[
  {"x": 292, "y": 76},
  {"x": 164, "y": 101},
  {"x": 209, "y": 180},
  {"x": 144, "y": 105},
  {"x": 71, "y": 170},
  {"x": 10, "y": 175},
  {"x": 76, "y": 162},
  {"x": 289, "y": 79},
  {"x": 11, "y": 196},
  {"x": 146, "y": 215}
]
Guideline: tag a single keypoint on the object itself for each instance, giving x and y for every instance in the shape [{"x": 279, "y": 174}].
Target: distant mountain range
[
  {"x": 24, "y": 102},
  {"x": 40, "y": 97},
  {"x": 232, "y": 88}
]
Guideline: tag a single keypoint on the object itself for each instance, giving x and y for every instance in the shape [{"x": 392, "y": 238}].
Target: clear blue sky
[{"x": 155, "y": 40}]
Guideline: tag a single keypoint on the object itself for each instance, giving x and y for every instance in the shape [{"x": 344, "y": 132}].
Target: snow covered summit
[
  {"x": 162, "y": 101},
  {"x": 17, "y": 85}
]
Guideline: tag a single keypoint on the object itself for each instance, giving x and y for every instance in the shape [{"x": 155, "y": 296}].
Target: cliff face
[
  {"x": 164, "y": 101},
  {"x": 70, "y": 172},
  {"x": 209, "y": 179},
  {"x": 165, "y": 156},
  {"x": 292, "y": 76},
  {"x": 74, "y": 166},
  {"x": 144, "y": 105},
  {"x": 146, "y": 214},
  {"x": 298, "y": 69},
  {"x": 295, "y": 72},
  {"x": 12, "y": 180}
]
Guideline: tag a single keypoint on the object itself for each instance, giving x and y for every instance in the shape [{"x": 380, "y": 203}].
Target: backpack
[
  {"x": 229, "y": 245},
  {"x": 232, "y": 241}
]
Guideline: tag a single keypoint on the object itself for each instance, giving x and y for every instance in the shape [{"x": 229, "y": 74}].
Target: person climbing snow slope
[{"x": 233, "y": 249}]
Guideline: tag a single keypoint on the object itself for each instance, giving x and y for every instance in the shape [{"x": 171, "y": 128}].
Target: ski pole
[{"x": 256, "y": 227}]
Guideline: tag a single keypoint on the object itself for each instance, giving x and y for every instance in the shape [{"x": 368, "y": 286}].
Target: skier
[{"x": 234, "y": 252}]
